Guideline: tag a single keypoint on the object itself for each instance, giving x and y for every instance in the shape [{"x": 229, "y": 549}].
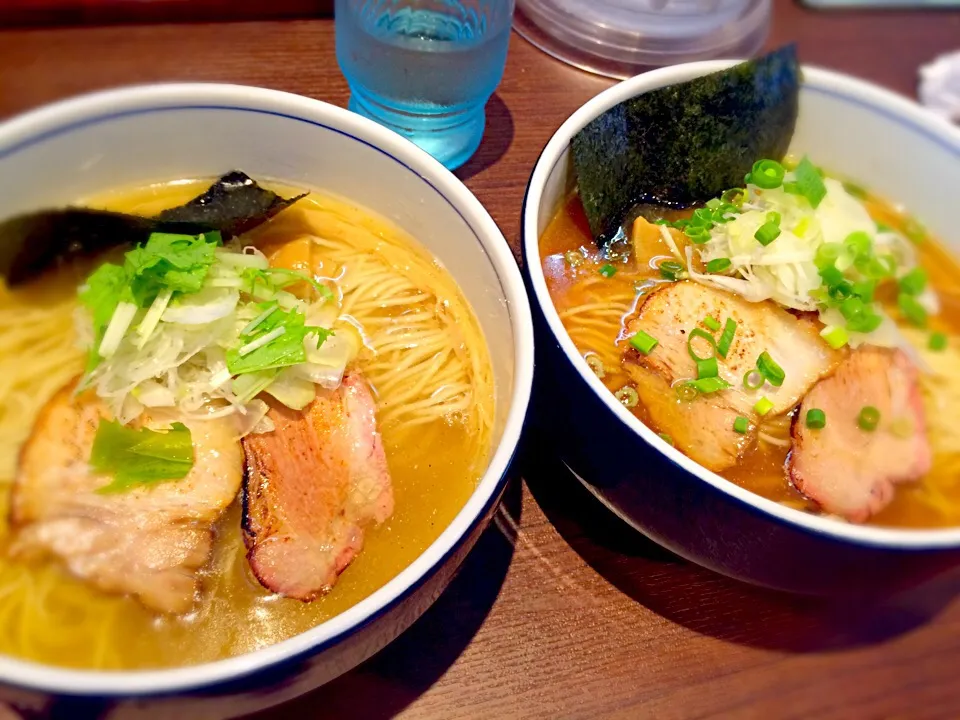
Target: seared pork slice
[
  {"x": 849, "y": 471},
  {"x": 311, "y": 486},
  {"x": 150, "y": 542},
  {"x": 703, "y": 428}
]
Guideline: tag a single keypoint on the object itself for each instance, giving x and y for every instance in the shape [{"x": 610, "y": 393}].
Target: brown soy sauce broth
[{"x": 933, "y": 502}]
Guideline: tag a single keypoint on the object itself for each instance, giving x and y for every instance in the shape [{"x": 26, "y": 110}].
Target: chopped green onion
[
  {"x": 695, "y": 333},
  {"x": 686, "y": 392},
  {"x": 773, "y": 217},
  {"x": 763, "y": 406},
  {"x": 670, "y": 270},
  {"x": 726, "y": 340},
  {"x": 816, "y": 419},
  {"x": 264, "y": 339},
  {"x": 708, "y": 385},
  {"x": 643, "y": 342},
  {"x": 865, "y": 289},
  {"x": 835, "y": 336},
  {"x": 912, "y": 310},
  {"x": 869, "y": 418},
  {"x": 573, "y": 258},
  {"x": 666, "y": 438},
  {"x": 733, "y": 196},
  {"x": 741, "y": 425},
  {"x": 859, "y": 243},
  {"x": 627, "y": 396},
  {"x": 938, "y": 341},
  {"x": 708, "y": 368},
  {"x": 769, "y": 368},
  {"x": 596, "y": 364},
  {"x": 827, "y": 255},
  {"x": 714, "y": 203},
  {"x": 767, "y": 174},
  {"x": 883, "y": 227},
  {"x": 914, "y": 282},
  {"x": 258, "y": 320},
  {"x": 698, "y": 234},
  {"x": 712, "y": 323},
  {"x": 608, "y": 270},
  {"x": 809, "y": 182},
  {"x": 753, "y": 380},
  {"x": 767, "y": 233},
  {"x": 719, "y": 265}
]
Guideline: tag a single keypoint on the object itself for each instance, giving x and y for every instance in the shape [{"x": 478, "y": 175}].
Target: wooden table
[{"x": 560, "y": 611}]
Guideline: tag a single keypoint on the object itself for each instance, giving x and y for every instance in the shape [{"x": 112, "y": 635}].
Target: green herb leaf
[
  {"x": 140, "y": 457},
  {"x": 281, "y": 351},
  {"x": 809, "y": 182},
  {"x": 166, "y": 260}
]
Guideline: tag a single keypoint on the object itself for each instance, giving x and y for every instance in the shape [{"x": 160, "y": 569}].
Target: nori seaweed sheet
[
  {"x": 681, "y": 145},
  {"x": 37, "y": 241}
]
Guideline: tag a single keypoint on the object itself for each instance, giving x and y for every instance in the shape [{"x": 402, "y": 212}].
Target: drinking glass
[{"x": 425, "y": 68}]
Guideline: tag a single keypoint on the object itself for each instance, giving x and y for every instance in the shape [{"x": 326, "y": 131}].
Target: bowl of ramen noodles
[
  {"x": 747, "y": 286},
  {"x": 265, "y": 366}
]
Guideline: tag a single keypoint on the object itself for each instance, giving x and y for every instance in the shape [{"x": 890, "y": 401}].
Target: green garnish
[
  {"x": 698, "y": 333},
  {"x": 741, "y": 424},
  {"x": 643, "y": 342},
  {"x": 753, "y": 380},
  {"x": 705, "y": 386},
  {"x": 719, "y": 265},
  {"x": 140, "y": 457},
  {"x": 770, "y": 370},
  {"x": 712, "y": 323},
  {"x": 627, "y": 396},
  {"x": 914, "y": 282},
  {"x": 726, "y": 340},
  {"x": 279, "y": 342},
  {"x": 608, "y": 270},
  {"x": 767, "y": 174},
  {"x": 666, "y": 438},
  {"x": 869, "y": 418},
  {"x": 912, "y": 309},
  {"x": 938, "y": 341},
  {"x": 809, "y": 183},
  {"x": 708, "y": 368},
  {"x": 763, "y": 406},
  {"x": 816, "y": 419},
  {"x": 670, "y": 270},
  {"x": 835, "y": 336},
  {"x": 767, "y": 233}
]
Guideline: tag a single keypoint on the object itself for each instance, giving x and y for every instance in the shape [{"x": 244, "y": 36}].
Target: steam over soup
[
  {"x": 229, "y": 432},
  {"x": 798, "y": 335}
]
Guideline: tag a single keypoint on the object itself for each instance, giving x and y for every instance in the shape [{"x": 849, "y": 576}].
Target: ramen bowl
[
  {"x": 859, "y": 131},
  {"x": 140, "y": 135}
]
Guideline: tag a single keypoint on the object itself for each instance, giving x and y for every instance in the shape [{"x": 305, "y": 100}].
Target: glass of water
[{"x": 425, "y": 68}]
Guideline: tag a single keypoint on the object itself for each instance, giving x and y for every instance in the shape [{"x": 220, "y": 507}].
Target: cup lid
[{"x": 621, "y": 38}]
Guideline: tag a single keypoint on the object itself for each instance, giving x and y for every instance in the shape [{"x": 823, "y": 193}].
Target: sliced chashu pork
[
  {"x": 703, "y": 428},
  {"x": 311, "y": 486},
  {"x": 849, "y": 471},
  {"x": 151, "y": 541}
]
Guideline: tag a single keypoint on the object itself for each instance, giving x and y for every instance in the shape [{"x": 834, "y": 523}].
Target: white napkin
[{"x": 940, "y": 86}]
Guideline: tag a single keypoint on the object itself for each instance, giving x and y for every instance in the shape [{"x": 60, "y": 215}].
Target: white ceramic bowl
[
  {"x": 140, "y": 135},
  {"x": 858, "y": 131}
]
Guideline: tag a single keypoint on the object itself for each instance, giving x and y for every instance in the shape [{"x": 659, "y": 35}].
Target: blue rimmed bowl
[
  {"x": 857, "y": 130},
  {"x": 140, "y": 135}
]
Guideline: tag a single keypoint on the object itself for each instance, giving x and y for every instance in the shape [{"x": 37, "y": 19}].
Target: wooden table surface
[{"x": 560, "y": 611}]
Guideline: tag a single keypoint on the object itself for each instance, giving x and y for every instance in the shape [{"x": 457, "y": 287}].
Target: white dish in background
[{"x": 138, "y": 135}]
